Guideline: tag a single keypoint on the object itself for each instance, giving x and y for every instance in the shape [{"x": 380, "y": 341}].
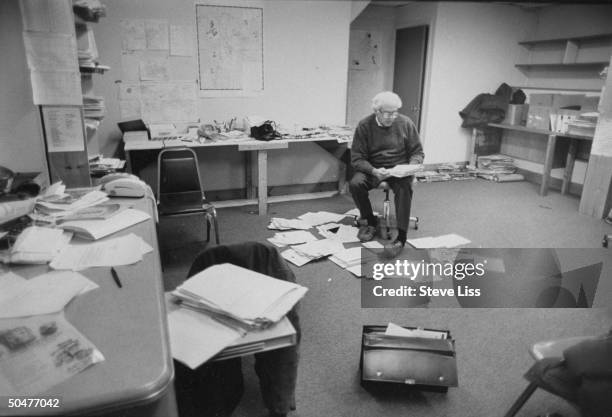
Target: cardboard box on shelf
[{"x": 516, "y": 114}]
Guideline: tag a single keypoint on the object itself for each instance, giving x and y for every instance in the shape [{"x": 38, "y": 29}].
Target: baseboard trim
[{"x": 275, "y": 199}]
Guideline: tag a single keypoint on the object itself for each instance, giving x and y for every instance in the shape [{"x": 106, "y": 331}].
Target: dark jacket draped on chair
[{"x": 215, "y": 388}]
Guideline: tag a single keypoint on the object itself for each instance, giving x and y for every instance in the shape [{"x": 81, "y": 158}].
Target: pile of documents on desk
[
  {"x": 58, "y": 216},
  {"x": 39, "y": 348},
  {"x": 99, "y": 165},
  {"x": 216, "y": 307}
]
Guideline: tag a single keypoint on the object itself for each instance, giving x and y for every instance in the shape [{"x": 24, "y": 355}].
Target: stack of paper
[
  {"x": 321, "y": 217},
  {"x": 93, "y": 107},
  {"x": 277, "y": 223},
  {"x": 234, "y": 294},
  {"x": 291, "y": 238},
  {"x": 60, "y": 204},
  {"x": 38, "y": 245},
  {"x": 196, "y": 337},
  {"x": 96, "y": 229}
]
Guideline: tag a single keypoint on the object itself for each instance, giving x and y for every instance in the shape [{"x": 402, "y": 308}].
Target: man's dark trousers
[{"x": 362, "y": 183}]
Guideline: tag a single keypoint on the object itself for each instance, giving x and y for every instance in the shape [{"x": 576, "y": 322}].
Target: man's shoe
[
  {"x": 366, "y": 233},
  {"x": 393, "y": 249}
]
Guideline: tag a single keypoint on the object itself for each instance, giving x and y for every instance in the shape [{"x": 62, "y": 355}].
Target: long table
[
  {"x": 550, "y": 152},
  {"x": 255, "y": 149},
  {"x": 128, "y": 325}
]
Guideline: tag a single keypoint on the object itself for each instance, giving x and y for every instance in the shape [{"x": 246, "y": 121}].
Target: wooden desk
[
  {"x": 128, "y": 325},
  {"x": 550, "y": 152},
  {"x": 253, "y": 148}
]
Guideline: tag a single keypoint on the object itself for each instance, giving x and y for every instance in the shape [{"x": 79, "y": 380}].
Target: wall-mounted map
[{"x": 230, "y": 48}]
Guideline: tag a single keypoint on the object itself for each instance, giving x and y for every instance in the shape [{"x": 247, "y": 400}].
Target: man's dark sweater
[{"x": 377, "y": 146}]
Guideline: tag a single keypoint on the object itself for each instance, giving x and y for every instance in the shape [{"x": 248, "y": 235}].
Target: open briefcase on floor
[{"x": 420, "y": 362}]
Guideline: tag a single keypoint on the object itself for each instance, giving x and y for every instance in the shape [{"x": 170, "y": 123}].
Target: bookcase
[{"x": 60, "y": 72}]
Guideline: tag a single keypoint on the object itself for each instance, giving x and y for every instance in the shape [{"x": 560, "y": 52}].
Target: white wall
[
  {"x": 475, "y": 49},
  {"x": 305, "y": 78},
  {"x": 365, "y": 84},
  {"x": 21, "y": 144}
]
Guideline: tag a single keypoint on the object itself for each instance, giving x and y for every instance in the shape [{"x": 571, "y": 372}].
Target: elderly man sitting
[{"x": 383, "y": 140}]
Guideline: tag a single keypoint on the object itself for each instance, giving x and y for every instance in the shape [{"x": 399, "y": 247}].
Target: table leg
[
  {"x": 473, "y": 141},
  {"x": 262, "y": 181},
  {"x": 548, "y": 160},
  {"x": 128, "y": 162},
  {"x": 569, "y": 166},
  {"x": 248, "y": 175}
]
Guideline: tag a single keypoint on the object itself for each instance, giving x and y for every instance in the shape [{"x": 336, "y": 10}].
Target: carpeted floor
[{"x": 491, "y": 344}]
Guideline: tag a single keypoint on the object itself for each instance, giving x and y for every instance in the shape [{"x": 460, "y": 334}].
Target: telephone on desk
[{"x": 123, "y": 185}]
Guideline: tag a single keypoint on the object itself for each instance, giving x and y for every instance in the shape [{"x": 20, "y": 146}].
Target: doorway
[{"x": 409, "y": 71}]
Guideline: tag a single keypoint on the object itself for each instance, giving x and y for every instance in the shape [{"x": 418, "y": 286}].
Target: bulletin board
[
  {"x": 230, "y": 49},
  {"x": 158, "y": 82}
]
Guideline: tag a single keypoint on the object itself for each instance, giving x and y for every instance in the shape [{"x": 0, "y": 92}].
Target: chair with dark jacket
[
  {"x": 179, "y": 188},
  {"x": 215, "y": 388}
]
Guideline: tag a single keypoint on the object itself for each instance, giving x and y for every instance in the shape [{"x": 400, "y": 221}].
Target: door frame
[{"x": 424, "y": 113}]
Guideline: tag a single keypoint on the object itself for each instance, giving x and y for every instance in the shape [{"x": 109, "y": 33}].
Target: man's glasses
[{"x": 388, "y": 114}]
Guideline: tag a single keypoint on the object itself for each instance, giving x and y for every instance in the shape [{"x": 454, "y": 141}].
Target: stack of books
[
  {"x": 584, "y": 124},
  {"x": 495, "y": 167},
  {"x": 226, "y": 311},
  {"x": 93, "y": 107}
]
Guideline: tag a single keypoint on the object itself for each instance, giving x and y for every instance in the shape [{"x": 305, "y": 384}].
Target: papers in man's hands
[
  {"x": 96, "y": 229},
  {"x": 404, "y": 170},
  {"x": 253, "y": 299},
  {"x": 123, "y": 250},
  {"x": 44, "y": 294}
]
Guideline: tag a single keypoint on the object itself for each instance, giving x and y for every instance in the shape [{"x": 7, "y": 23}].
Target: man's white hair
[{"x": 386, "y": 98}]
